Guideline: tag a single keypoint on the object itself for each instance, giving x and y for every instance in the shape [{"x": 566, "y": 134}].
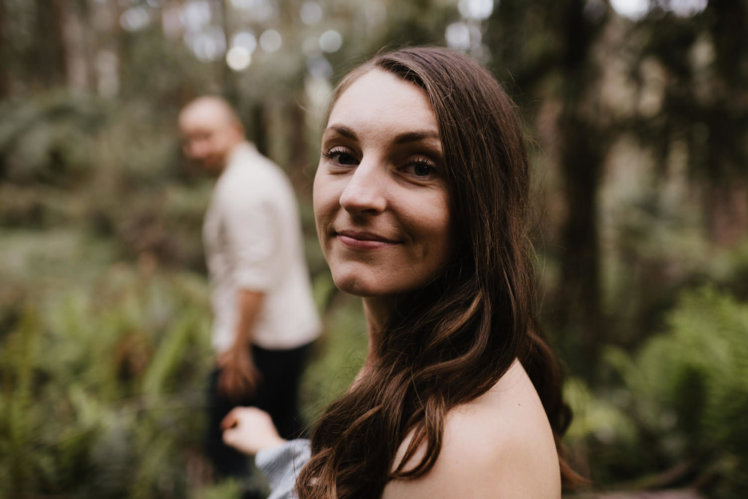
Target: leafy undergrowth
[{"x": 676, "y": 417}]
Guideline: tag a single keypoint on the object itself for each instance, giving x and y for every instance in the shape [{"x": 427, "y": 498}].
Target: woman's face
[{"x": 380, "y": 200}]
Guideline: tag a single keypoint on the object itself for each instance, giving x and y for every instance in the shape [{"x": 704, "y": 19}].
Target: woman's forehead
[{"x": 382, "y": 98}]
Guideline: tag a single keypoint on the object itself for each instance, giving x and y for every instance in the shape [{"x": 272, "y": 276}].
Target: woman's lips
[{"x": 363, "y": 240}]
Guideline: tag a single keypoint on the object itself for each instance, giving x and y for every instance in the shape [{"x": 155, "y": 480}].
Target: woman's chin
[
  {"x": 355, "y": 287},
  {"x": 358, "y": 285},
  {"x": 376, "y": 284}
]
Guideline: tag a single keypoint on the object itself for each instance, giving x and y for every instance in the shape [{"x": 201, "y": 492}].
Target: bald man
[{"x": 264, "y": 317}]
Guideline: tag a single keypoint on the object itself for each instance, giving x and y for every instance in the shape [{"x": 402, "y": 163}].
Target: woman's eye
[
  {"x": 340, "y": 156},
  {"x": 421, "y": 169}
]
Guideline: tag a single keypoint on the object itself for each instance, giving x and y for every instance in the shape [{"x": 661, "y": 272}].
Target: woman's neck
[{"x": 377, "y": 313}]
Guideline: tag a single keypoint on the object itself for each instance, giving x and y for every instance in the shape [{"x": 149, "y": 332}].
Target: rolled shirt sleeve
[
  {"x": 252, "y": 235},
  {"x": 281, "y": 465}
]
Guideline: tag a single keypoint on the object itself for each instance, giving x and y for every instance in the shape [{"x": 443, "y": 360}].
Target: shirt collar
[{"x": 239, "y": 150}]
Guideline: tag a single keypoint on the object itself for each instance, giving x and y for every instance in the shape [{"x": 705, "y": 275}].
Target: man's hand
[
  {"x": 239, "y": 377},
  {"x": 250, "y": 430}
]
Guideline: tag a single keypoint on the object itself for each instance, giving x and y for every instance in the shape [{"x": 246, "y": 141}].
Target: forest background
[{"x": 636, "y": 113}]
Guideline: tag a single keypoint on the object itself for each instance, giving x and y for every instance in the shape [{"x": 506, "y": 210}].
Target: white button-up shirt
[{"x": 252, "y": 237}]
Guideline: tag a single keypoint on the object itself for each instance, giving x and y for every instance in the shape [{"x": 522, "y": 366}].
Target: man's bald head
[{"x": 210, "y": 130}]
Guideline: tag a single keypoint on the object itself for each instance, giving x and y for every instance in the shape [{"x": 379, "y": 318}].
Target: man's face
[{"x": 208, "y": 136}]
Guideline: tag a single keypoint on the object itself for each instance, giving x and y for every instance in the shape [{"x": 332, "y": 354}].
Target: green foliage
[
  {"x": 340, "y": 353},
  {"x": 101, "y": 388},
  {"x": 656, "y": 246},
  {"x": 228, "y": 489},
  {"x": 16, "y": 399},
  {"x": 593, "y": 415},
  {"x": 603, "y": 440},
  {"x": 48, "y": 138},
  {"x": 162, "y": 65},
  {"x": 685, "y": 392},
  {"x": 69, "y": 160}
]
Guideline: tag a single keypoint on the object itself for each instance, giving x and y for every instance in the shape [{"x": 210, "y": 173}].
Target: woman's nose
[{"x": 366, "y": 189}]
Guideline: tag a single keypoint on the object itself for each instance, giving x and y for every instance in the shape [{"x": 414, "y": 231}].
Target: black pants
[{"x": 278, "y": 394}]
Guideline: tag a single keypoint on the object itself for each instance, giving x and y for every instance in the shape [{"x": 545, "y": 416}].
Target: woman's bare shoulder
[{"x": 498, "y": 445}]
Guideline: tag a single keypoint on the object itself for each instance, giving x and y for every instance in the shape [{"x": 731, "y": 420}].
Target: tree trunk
[
  {"x": 230, "y": 84},
  {"x": 47, "y": 62},
  {"x": 259, "y": 127},
  {"x": 579, "y": 299},
  {"x": 581, "y": 157},
  {"x": 297, "y": 141},
  {"x": 4, "y": 55},
  {"x": 727, "y": 213},
  {"x": 77, "y": 60},
  {"x": 109, "y": 47},
  {"x": 726, "y": 200}
]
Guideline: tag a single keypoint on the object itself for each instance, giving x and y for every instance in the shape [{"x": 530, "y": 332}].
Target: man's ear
[{"x": 239, "y": 129}]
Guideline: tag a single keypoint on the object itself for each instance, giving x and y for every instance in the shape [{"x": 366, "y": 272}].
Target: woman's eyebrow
[
  {"x": 403, "y": 138},
  {"x": 416, "y": 136},
  {"x": 342, "y": 130}
]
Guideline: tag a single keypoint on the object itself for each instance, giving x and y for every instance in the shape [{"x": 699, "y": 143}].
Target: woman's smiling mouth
[{"x": 362, "y": 240}]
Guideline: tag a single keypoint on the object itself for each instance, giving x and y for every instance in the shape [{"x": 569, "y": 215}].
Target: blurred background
[{"x": 636, "y": 112}]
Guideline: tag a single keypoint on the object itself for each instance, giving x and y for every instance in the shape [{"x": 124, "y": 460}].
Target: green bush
[
  {"x": 688, "y": 390},
  {"x": 48, "y": 139},
  {"x": 102, "y": 389},
  {"x": 339, "y": 353},
  {"x": 109, "y": 167}
]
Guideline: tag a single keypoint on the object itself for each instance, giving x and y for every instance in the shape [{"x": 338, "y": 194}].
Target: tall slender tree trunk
[
  {"x": 77, "y": 60},
  {"x": 581, "y": 158},
  {"x": 230, "y": 83},
  {"x": 297, "y": 143},
  {"x": 580, "y": 304},
  {"x": 727, "y": 213},
  {"x": 48, "y": 57},
  {"x": 726, "y": 200},
  {"x": 4, "y": 55},
  {"x": 259, "y": 127}
]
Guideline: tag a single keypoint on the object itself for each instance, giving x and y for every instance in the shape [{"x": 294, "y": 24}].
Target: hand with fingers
[
  {"x": 250, "y": 430},
  {"x": 239, "y": 376}
]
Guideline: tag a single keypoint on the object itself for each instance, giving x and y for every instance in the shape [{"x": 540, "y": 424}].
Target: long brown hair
[{"x": 451, "y": 341}]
